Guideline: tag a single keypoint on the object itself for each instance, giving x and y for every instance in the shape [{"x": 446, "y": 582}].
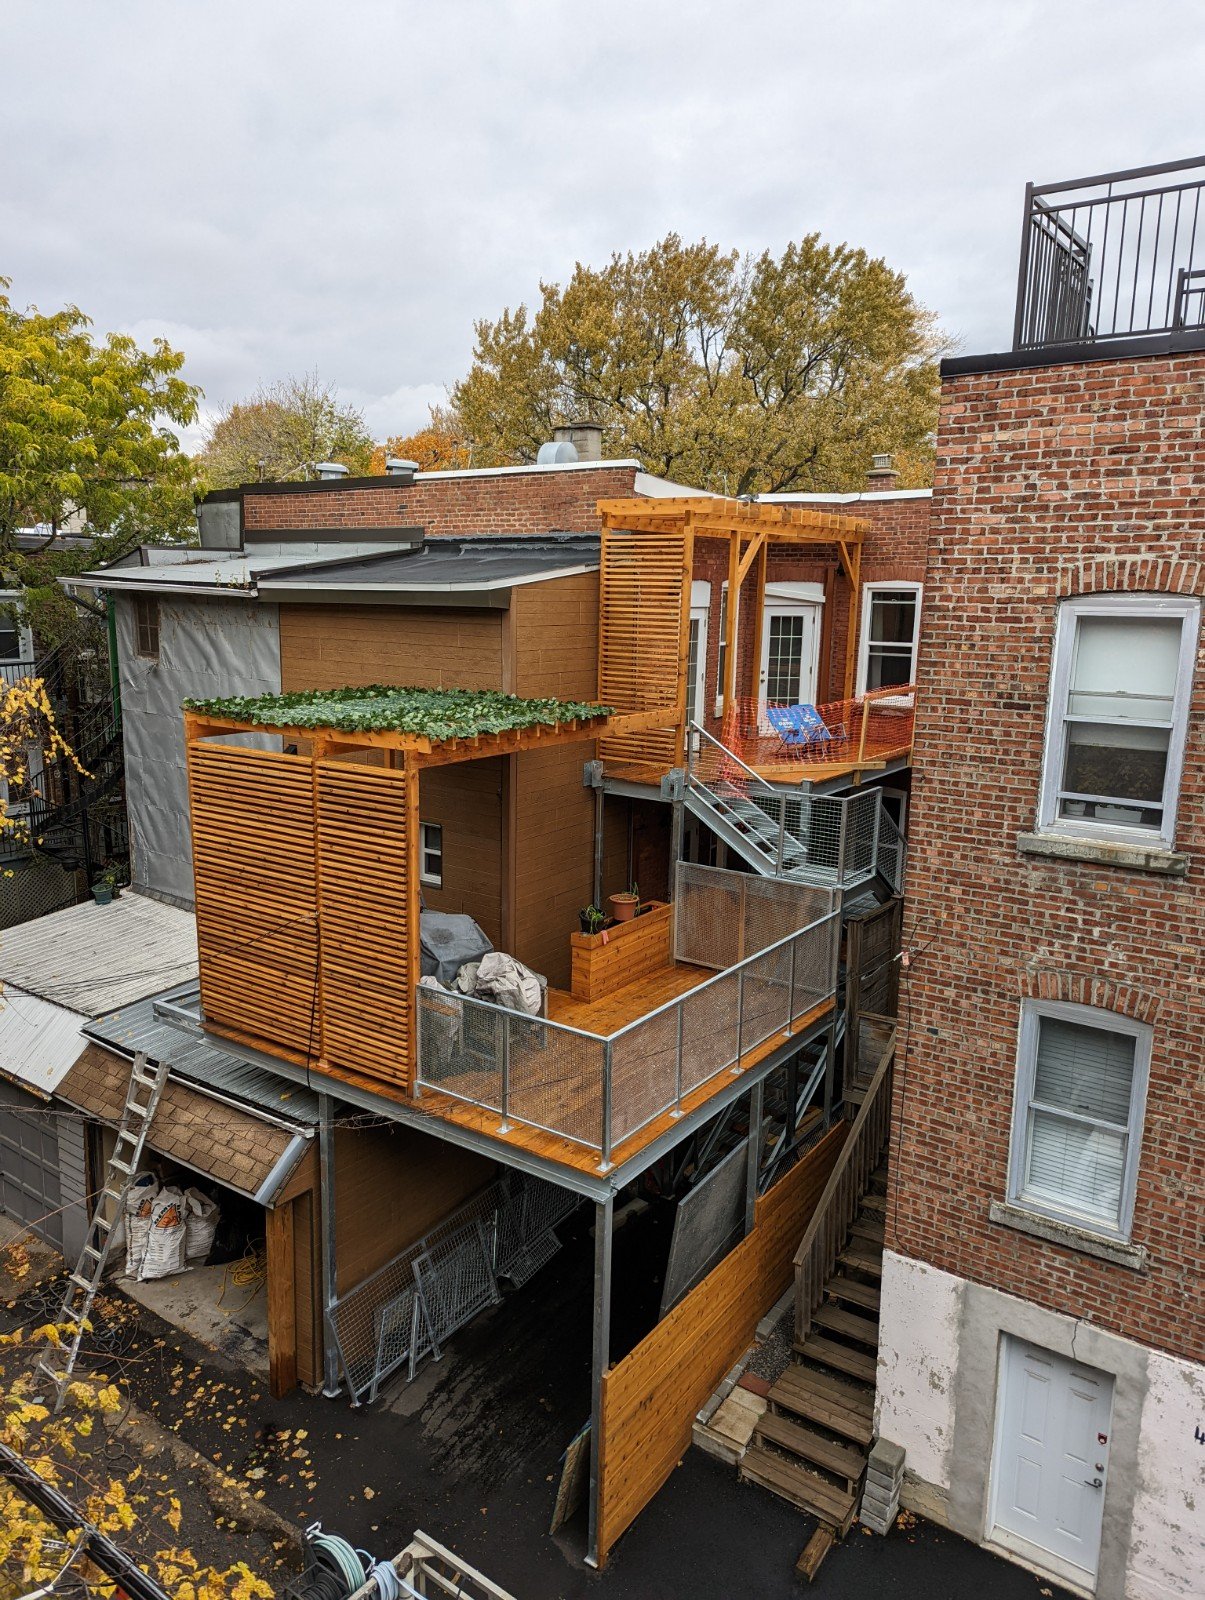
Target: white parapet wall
[{"x": 940, "y": 1339}]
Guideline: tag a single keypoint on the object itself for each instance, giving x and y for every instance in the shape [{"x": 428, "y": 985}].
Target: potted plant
[
  {"x": 105, "y": 887},
  {"x": 591, "y": 919},
  {"x": 625, "y": 905}
]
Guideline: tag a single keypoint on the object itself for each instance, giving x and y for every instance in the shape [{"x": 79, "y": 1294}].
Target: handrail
[
  {"x": 730, "y": 755},
  {"x": 824, "y": 1237}
]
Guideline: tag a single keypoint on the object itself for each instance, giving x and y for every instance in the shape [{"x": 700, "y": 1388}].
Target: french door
[{"x": 790, "y": 653}]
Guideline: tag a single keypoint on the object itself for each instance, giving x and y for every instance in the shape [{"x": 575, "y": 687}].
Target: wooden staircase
[{"x": 811, "y": 1445}]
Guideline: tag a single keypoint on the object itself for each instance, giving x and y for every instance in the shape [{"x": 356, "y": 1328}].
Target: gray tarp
[{"x": 449, "y": 940}]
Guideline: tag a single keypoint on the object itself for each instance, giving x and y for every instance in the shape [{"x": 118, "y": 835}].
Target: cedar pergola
[{"x": 671, "y": 527}]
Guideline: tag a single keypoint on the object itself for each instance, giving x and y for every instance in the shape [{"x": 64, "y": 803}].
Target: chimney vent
[
  {"x": 331, "y": 469},
  {"x": 585, "y": 437},
  {"x": 399, "y": 467},
  {"x": 882, "y": 474}
]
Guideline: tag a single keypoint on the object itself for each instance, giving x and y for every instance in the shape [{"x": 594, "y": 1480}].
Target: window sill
[
  {"x": 1105, "y": 853},
  {"x": 1067, "y": 1234}
]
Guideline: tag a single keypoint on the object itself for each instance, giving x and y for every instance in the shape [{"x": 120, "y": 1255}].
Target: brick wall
[
  {"x": 1050, "y": 482},
  {"x": 539, "y": 501}
]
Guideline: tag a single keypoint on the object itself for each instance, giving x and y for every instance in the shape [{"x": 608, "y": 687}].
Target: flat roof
[
  {"x": 442, "y": 565},
  {"x": 433, "y": 714},
  {"x": 90, "y": 959}
]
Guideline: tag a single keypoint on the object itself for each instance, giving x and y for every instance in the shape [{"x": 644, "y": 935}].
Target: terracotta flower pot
[{"x": 623, "y": 906}]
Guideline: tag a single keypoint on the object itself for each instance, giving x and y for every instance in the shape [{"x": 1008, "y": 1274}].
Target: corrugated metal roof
[
  {"x": 91, "y": 959},
  {"x": 39, "y": 1042},
  {"x": 136, "y": 1027}
]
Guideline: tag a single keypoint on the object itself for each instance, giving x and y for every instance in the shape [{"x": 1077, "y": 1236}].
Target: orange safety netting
[{"x": 868, "y": 729}]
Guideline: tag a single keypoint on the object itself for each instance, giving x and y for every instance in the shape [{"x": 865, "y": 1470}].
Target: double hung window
[{"x": 890, "y": 631}]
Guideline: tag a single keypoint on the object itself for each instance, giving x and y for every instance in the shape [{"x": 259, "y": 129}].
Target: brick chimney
[
  {"x": 585, "y": 437},
  {"x": 882, "y": 475}
]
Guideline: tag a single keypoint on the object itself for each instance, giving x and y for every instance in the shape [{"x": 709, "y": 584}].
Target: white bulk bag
[
  {"x": 201, "y": 1216},
  {"x": 140, "y": 1199},
  {"x": 167, "y": 1238}
]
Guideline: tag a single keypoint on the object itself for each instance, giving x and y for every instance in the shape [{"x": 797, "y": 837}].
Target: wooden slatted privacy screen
[
  {"x": 257, "y": 899},
  {"x": 644, "y": 615},
  {"x": 651, "y": 1397},
  {"x": 365, "y": 889}
]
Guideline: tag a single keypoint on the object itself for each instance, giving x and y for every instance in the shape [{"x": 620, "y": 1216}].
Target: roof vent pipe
[
  {"x": 556, "y": 453},
  {"x": 399, "y": 467},
  {"x": 331, "y": 469}
]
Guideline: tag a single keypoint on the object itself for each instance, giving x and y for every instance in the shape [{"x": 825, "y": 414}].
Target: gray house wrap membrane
[{"x": 206, "y": 648}]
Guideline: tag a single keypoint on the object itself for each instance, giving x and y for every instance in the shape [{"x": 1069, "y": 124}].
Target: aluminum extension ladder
[{"x": 83, "y": 1283}]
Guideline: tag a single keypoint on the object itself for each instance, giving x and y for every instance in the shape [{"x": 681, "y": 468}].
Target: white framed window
[
  {"x": 16, "y": 640},
  {"x": 1077, "y": 1116},
  {"x": 890, "y": 634},
  {"x": 146, "y": 626},
  {"x": 1120, "y": 685},
  {"x": 431, "y": 854}
]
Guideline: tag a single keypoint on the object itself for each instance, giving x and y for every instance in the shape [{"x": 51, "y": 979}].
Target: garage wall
[{"x": 391, "y": 1186}]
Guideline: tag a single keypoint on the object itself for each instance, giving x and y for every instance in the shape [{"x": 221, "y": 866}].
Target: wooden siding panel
[
  {"x": 553, "y": 847},
  {"x": 256, "y": 896},
  {"x": 466, "y": 801},
  {"x": 555, "y": 631},
  {"x": 333, "y": 647},
  {"x": 650, "y": 1398},
  {"x": 391, "y": 1186},
  {"x": 367, "y": 877}
]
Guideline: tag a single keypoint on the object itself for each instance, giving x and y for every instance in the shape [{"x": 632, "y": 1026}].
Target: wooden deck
[{"x": 615, "y": 1011}]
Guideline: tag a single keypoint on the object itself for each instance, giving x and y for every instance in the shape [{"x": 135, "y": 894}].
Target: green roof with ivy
[{"x": 435, "y": 714}]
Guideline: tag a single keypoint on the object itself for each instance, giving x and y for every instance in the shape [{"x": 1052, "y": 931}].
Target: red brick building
[{"x": 1042, "y": 1329}]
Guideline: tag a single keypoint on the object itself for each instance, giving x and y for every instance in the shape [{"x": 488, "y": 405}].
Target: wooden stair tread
[
  {"x": 801, "y": 1487},
  {"x": 862, "y": 1260},
  {"x": 849, "y": 1326},
  {"x": 840, "y": 1357},
  {"x": 875, "y": 1203},
  {"x": 820, "y": 1406},
  {"x": 814, "y": 1552},
  {"x": 841, "y": 1459},
  {"x": 853, "y": 1292},
  {"x": 799, "y": 1382},
  {"x": 868, "y": 1228}
]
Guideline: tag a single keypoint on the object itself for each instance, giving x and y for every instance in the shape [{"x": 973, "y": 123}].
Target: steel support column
[
  {"x": 756, "y": 1099},
  {"x": 326, "y": 1183},
  {"x": 830, "y": 1069},
  {"x": 598, "y": 846},
  {"x": 603, "y": 1223}
]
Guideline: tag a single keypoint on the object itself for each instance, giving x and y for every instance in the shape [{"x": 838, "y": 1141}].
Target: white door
[
  {"x": 790, "y": 652},
  {"x": 1052, "y": 1452},
  {"x": 696, "y": 663}
]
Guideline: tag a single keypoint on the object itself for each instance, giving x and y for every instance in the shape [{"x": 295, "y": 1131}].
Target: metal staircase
[
  {"x": 843, "y": 841},
  {"x": 83, "y": 1283}
]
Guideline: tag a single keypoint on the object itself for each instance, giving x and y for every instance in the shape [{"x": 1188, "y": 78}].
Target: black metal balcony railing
[{"x": 1119, "y": 256}]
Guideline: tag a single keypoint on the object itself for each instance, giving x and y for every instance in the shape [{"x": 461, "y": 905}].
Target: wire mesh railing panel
[
  {"x": 814, "y": 965},
  {"x": 709, "y": 1030},
  {"x": 554, "y": 1079},
  {"x": 776, "y": 907},
  {"x": 455, "y": 1277},
  {"x": 765, "y": 1007},
  {"x": 460, "y": 1047},
  {"x": 707, "y": 915},
  {"x": 644, "y": 1071},
  {"x": 861, "y": 835},
  {"x": 524, "y": 1239}
]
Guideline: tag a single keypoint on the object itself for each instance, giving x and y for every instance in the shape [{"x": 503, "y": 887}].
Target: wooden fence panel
[
  {"x": 253, "y": 865},
  {"x": 650, "y": 1398},
  {"x": 367, "y": 912}
]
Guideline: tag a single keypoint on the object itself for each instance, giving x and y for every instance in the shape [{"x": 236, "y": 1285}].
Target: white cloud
[{"x": 281, "y": 187}]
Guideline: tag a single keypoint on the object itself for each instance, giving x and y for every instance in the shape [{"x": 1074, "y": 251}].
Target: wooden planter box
[{"x": 604, "y": 962}]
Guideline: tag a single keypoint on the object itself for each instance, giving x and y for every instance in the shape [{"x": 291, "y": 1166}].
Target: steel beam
[{"x": 326, "y": 1185}]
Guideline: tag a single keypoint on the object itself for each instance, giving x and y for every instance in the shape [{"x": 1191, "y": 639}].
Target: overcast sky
[{"x": 277, "y": 186}]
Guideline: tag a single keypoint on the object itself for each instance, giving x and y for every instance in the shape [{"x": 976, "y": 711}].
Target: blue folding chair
[{"x": 798, "y": 725}]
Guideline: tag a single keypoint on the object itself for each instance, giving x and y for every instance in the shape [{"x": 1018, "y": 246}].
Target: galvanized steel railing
[{"x": 597, "y": 1090}]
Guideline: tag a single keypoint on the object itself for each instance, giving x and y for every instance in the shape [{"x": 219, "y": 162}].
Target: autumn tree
[
  {"x": 86, "y": 439},
  {"x": 281, "y": 434},
  {"x": 30, "y": 740},
  {"x": 740, "y": 374},
  {"x": 442, "y": 446}
]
